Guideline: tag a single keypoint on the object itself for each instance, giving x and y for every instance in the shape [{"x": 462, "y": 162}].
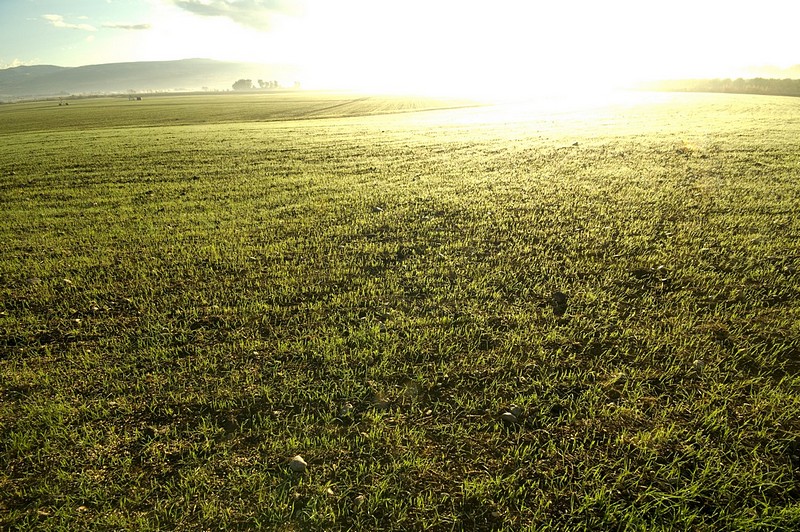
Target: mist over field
[
  {"x": 205, "y": 75},
  {"x": 32, "y": 82}
]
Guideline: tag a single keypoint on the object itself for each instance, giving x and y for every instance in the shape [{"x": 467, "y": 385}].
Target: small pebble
[
  {"x": 297, "y": 464},
  {"x": 508, "y": 417}
]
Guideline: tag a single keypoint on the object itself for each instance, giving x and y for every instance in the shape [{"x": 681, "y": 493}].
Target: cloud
[
  {"x": 57, "y": 21},
  {"x": 17, "y": 63},
  {"x": 257, "y": 14},
  {"x": 128, "y": 26}
]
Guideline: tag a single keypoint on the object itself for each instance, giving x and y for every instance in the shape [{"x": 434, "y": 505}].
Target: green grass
[
  {"x": 165, "y": 110},
  {"x": 191, "y": 295}
]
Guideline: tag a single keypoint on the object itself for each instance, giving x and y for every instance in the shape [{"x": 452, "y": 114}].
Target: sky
[{"x": 442, "y": 45}]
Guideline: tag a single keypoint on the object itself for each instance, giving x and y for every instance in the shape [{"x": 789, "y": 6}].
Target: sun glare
[
  {"x": 506, "y": 50},
  {"x": 444, "y": 49}
]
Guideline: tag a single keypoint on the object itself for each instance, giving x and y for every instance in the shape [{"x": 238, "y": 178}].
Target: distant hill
[{"x": 145, "y": 76}]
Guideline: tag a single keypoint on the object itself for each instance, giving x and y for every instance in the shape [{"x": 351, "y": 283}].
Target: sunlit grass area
[{"x": 544, "y": 316}]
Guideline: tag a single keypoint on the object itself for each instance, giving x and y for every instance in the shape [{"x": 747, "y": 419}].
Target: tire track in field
[{"x": 323, "y": 110}]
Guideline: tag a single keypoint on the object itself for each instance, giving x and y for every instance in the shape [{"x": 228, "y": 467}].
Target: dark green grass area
[
  {"x": 81, "y": 115},
  {"x": 185, "y": 308}
]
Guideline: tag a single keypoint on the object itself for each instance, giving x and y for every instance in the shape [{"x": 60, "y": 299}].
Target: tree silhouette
[{"x": 243, "y": 85}]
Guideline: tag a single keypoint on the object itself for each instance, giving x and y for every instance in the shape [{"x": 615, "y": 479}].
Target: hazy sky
[{"x": 406, "y": 44}]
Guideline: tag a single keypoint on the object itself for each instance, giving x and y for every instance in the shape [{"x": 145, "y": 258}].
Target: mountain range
[{"x": 26, "y": 82}]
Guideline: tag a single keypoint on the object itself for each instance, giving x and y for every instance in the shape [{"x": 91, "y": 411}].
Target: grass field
[{"x": 481, "y": 318}]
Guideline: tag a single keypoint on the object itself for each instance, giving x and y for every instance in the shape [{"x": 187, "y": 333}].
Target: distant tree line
[
  {"x": 766, "y": 86},
  {"x": 248, "y": 85}
]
